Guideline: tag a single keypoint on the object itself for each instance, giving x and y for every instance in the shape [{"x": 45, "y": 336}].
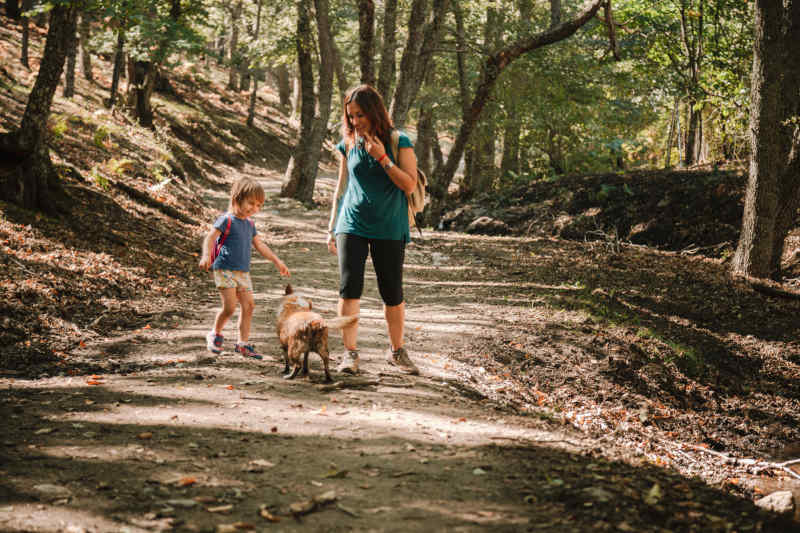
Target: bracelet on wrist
[{"x": 381, "y": 158}]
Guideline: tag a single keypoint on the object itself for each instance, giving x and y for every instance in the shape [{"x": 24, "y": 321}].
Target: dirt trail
[{"x": 182, "y": 441}]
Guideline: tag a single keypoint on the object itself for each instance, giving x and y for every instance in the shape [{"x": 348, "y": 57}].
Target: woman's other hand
[{"x": 332, "y": 243}]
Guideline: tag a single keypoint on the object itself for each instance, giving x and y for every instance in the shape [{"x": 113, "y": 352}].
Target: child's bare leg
[
  {"x": 246, "y": 307},
  {"x": 228, "y": 297}
]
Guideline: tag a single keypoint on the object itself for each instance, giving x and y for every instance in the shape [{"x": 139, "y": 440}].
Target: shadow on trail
[{"x": 136, "y": 474}]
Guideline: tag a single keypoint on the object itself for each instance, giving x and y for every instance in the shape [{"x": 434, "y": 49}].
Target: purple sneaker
[
  {"x": 214, "y": 342},
  {"x": 247, "y": 350}
]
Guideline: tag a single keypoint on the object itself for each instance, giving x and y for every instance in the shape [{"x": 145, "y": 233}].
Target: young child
[{"x": 232, "y": 265}]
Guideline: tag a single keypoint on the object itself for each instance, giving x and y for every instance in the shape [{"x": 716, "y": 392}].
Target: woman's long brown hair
[{"x": 371, "y": 103}]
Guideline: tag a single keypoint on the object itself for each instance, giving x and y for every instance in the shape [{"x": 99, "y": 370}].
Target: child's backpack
[
  {"x": 416, "y": 199},
  {"x": 220, "y": 240}
]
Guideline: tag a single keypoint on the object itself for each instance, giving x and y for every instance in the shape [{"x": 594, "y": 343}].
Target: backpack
[
  {"x": 220, "y": 240},
  {"x": 416, "y": 198}
]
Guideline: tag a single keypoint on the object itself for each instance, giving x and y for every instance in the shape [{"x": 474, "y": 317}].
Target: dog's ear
[{"x": 288, "y": 289}]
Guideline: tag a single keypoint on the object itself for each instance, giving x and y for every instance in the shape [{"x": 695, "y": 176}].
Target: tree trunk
[
  {"x": 671, "y": 134},
  {"x": 338, "y": 66},
  {"x": 119, "y": 61},
  {"x": 422, "y": 40},
  {"x": 143, "y": 83},
  {"x": 492, "y": 68},
  {"x": 27, "y": 5},
  {"x": 86, "y": 56},
  {"x": 251, "y": 111},
  {"x": 693, "y": 124},
  {"x": 27, "y": 177},
  {"x": 12, "y": 9},
  {"x": 236, "y": 13},
  {"x": 69, "y": 72},
  {"x": 773, "y": 190},
  {"x": 302, "y": 169},
  {"x": 555, "y": 13},
  {"x": 482, "y": 172},
  {"x": 388, "y": 63},
  {"x": 146, "y": 71},
  {"x": 284, "y": 85},
  {"x": 366, "y": 43}
]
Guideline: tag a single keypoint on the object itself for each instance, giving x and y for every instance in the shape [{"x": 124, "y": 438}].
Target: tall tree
[
  {"x": 163, "y": 35},
  {"x": 69, "y": 71},
  {"x": 388, "y": 63},
  {"x": 27, "y": 176},
  {"x": 422, "y": 40},
  {"x": 235, "y": 9},
  {"x": 773, "y": 189},
  {"x": 251, "y": 111},
  {"x": 27, "y": 5},
  {"x": 366, "y": 41},
  {"x": 84, "y": 30},
  {"x": 492, "y": 67},
  {"x": 302, "y": 169},
  {"x": 12, "y": 9}
]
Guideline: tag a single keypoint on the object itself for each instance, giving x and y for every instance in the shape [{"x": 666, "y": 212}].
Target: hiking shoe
[
  {"x": 214, "y": 342},
  {"x": 349, "y": 364},
  {"x": 399, "y": 357},
  {"x": 247, "y": 350}
]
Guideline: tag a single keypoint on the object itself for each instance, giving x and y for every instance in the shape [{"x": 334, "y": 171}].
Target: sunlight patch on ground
[
  {"x": 29, "y": 517},
  {"x": 220, "y": 407},
  {"x": 477, "y": 512}
]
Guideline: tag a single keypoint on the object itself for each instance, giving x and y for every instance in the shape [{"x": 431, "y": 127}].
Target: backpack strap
[{"x": 227, "y": 230}]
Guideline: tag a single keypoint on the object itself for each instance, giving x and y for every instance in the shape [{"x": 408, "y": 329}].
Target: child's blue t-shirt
[
  {"x": 235, "y": 251},
  {"x": 372, "y": 205}
]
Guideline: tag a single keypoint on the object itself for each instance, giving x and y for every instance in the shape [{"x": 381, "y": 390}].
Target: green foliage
[
  {"x": 60, "y": 127},
  {"x": 101, "y": 134}
]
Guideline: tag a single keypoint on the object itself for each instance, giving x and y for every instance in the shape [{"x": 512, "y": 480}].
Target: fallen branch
[
  {"x": 349, "y": 384},
  {"x": 771, "y": 288},
  {"x": 758, "y": 466}
]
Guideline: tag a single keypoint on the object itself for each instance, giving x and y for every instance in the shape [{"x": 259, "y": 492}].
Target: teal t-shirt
[{"x": 372, "y": 206}]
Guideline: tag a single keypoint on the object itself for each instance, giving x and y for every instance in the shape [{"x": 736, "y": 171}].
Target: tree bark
[
  {"x": 27, "y": 177},
  {"x": 69, "y": 72},
  {"x": 27, "y": 5},
  {"x": 388, "y": 63},
  {"x": 555, "y": 13},
  {"x": 422, "y": 40},
  {"x": 773, "y": 190},
  {"x": 302, "y": 169},
  {"x": 338, "y": 67},
  {"x": 119, "y": 61},
  {"x": 366, "y": 43},
  {"x": 236, "y": 14},
  {"x": 482, "y": 172},
  {"x": 146, "y": 71},
  {"x": 284, "y": 86},
  {"x": 12, "y": 9},
  {"x": 492, "y": 68},
  {"x": 84, "y": 29},
  {"x": 251, "y": 111}
]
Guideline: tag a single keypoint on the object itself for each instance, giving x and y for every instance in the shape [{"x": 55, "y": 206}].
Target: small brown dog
[{"x": 301, "y": 330}]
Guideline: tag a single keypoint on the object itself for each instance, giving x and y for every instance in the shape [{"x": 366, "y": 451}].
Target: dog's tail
[{"x": 341, "y": 321}]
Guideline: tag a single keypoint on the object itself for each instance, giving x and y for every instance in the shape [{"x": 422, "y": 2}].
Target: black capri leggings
[{"x": 387, "y": 258}]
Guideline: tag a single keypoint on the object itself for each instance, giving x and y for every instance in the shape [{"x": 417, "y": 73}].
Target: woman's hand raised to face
[{"x": 374, "y": 146}]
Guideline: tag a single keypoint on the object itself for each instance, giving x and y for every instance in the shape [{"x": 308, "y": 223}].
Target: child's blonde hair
[{"x": 244, "y": 189}]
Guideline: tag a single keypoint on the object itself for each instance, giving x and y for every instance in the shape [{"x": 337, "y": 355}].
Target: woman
[{"x": 369, "y": 215}]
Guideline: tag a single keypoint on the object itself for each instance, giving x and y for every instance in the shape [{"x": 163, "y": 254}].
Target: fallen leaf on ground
[
  {"x": 265, "y": 514},
  {"x": 144, "y": 436},
  {"x": 220, "y": 509}
]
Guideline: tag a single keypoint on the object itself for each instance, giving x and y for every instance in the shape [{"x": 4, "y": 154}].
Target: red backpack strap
[{"x": 227, "y": 230}]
